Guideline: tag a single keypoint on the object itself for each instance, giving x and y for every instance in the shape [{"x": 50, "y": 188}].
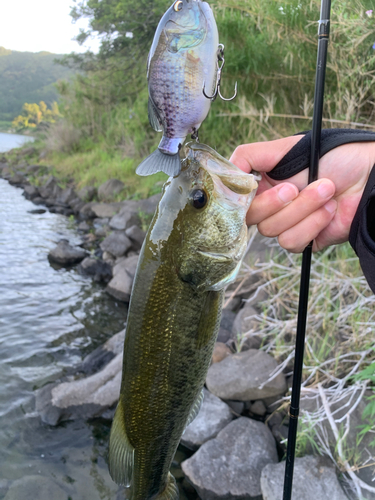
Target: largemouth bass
[
  {"x": 193, "y": 249},
  {"x": 182, "y": 58}
]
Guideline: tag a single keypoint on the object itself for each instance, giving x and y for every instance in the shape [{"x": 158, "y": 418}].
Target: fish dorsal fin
[
  {"x": 153, "y": 116},
  {"x": 196, "y": 407},
  {"x": 121, "y": 452}
]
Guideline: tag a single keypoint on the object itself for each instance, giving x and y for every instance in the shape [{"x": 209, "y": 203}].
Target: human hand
[{"x": 298, "y": 213}]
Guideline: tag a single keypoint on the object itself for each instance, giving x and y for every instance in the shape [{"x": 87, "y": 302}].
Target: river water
[
  {"x": 10, "y": 141},
  {"x": 49, "y": 320}
]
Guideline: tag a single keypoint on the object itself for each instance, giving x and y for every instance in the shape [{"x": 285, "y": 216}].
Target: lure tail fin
[
  {"x": 160, "y": 162},
  {"x": 121, "y": 452},
  {"x": 171, "y": 490}
]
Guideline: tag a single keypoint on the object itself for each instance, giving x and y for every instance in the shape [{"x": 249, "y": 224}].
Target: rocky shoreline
[{"x": 239, "y": 435}]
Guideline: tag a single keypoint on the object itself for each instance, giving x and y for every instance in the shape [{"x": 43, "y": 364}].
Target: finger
[
  {"x": 298, "y": 237},
  {"x": 270, "y": 202},
  {"x": 262, "y": 156},
  {"x": 309, "y": 201}
]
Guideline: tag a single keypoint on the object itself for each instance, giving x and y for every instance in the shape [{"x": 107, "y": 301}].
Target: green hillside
[{"x": 27, "y": 77}]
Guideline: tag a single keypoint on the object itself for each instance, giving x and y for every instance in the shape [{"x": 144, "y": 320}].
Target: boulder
[
  {"x": 226, "y": 324},
  {"x": 230, "y": 465},
  {"x": 125, "y": 219},
  {"x": 313, "y": 478},
  {"x": 246, "y": 376},
  {"x": 84, "y": 398},
  {"x": 243, "y": 328},
  {"x": 66, "y": 196},
  {"x": 96, "y": 268},
  {"x": 50, "y": 189},
  {"x": 148, "y": 205},
  {"x": 31, "y": 192},
  {"x": 105, "y": 209},
  {"x": 6, "y": 172},
  {"x": 87, "y": 193},
  {"x": 221, "y": 351},
  {"x": 17, "y": 180},
  {"x": 103, "y": 354},
  {"x": 66, "y": 255},
  {"x": 213, "y": 416},
  {"x": 35, "y": 487},
  {"x": 117, "y": 244},
  {"x": 121, "y": 284},
  {"x": 110, "y": 189},
  {"x": 136, "y": 235}
]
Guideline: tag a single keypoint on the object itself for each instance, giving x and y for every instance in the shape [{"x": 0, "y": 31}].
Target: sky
[{"x": 41, "y": 25}]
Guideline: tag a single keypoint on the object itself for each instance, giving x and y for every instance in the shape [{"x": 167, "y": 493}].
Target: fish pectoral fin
[
  {"x": 170, "y": 492},
  {"x": 153, "y": 116},
  {"x": 121, "y": 452},
  {"x": 195, "y": 410}
]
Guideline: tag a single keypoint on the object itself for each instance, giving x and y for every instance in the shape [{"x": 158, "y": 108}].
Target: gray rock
[
  {"x": 103, "y": 354},
  {"x": 34, "y": 169},
  {"x": 110, "y": 189},
  {"x": 148, "y": 206},
  {"x": 226, "y": 324},
  {"x": 117, "y": 244},
  {"x": 136, "y": 235},
  {"x": 50, "y": 189},
  {"x": 124, "y": 220},
  {"x": 243, "y": 327},
  {"x": 66, "y": 196},
  {"x": 258, "y": 408},
  {"x": 220, "y": 352},
  {"x": 213, "y": 416},
  {"x": 103, "y": 210},
  {"x": 121, "y": 284},
  {"x": 96, "y": 268},
  {"x": 31, "y": 192},
  {"x": 17, "y": 180},
  {"x": 84, "y": 398},
  {"x": 314, "y": 478},
  {"x": 35, "y": 487},
  {"x": 245, "y": 377},
  {"x": 229, "y": 466},
  {"x": 28, "y": 151},
  {"x": 83, "y": 226},
  {"x": 6, "y": 173},
  {"x": 65, "y": 255},
  {"x": 237, "y": 407},
  {"x": 87, "y": 193}
]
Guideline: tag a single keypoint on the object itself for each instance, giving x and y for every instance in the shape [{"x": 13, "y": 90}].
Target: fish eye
[
  {"x": 199, "y": 198},
  {"x": 178, "y": 5}
]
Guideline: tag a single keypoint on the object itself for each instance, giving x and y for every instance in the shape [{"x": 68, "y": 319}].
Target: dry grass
[{"x": 339, "y": 342}]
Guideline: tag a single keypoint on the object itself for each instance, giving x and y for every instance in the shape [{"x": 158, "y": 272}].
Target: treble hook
[{"x": 220, "y": 59}]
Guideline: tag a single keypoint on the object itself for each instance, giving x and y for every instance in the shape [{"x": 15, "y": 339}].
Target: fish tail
[
  {"x": 171, "y": 490},
  {"x": 121, "y": 452},
  {"x": 160, "y": 162}
]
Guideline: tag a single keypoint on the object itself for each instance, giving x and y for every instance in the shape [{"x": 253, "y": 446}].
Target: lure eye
[
  {"x": 199, "y": 198},
  {"x": 178, "y": 5}
]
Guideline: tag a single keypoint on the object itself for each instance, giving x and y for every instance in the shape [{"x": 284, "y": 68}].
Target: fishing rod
[{"x": 323, "y": 37}]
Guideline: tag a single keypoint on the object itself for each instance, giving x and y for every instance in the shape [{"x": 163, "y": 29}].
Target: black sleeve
[{"x": 362, "y": 231}]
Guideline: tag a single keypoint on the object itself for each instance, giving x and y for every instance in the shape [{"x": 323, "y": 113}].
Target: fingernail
[
  {"x": 287, "y": 193},
  {"x": 325, "y": 189},
  {"x": 331, "y": 206}
]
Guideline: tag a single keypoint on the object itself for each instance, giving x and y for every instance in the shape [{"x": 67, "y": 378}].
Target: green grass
[{"x": 94, "y": 167}]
